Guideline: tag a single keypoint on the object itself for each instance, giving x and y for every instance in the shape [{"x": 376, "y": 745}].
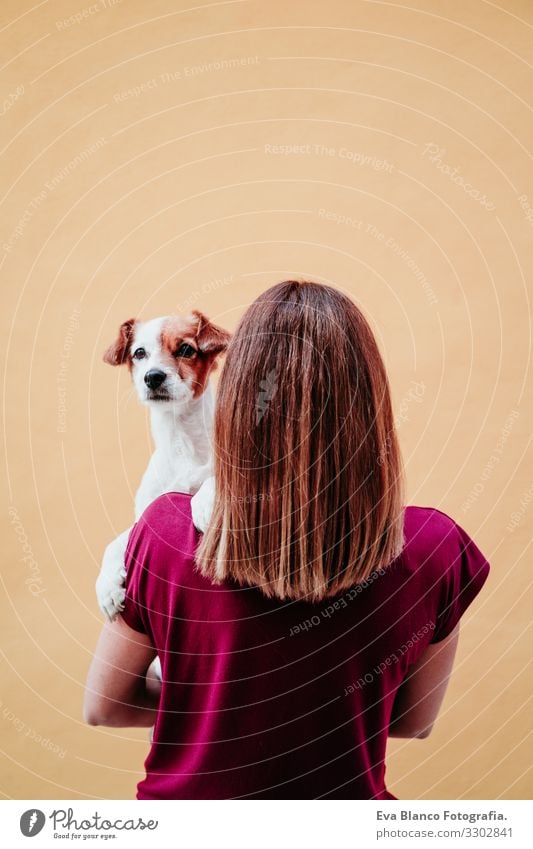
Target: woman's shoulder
[
  {"x": 169, "y": 504},
  {"x": 167, "y": 523},
  {"x": 159, "y": 552},
  {"x": 430, "y": 534},
  {"x": 427, "y": 523},
  {"x": 436, "y": 541},
  {"x": 447, "y": 564}
]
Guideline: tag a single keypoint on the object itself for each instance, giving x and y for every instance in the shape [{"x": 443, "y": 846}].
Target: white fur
[
  {"x": 202, "y": 504},
  {"x": 181, "y": 429},
  {"x": 182, "y": 459}
]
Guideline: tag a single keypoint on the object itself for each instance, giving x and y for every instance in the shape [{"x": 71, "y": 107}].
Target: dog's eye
[
  {"x": 139, "y": 354},
  {"x": 185, "y": 350}
]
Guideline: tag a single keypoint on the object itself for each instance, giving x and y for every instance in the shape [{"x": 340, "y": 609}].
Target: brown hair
[{"x": 308, "y": 470}]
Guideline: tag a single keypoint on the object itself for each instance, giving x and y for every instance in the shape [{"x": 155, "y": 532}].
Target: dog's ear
[
  {"x": 210, "y": 338},
  {"x": 117, "y": 353}
]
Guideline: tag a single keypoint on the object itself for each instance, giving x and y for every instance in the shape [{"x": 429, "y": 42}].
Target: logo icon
[
  {"x": 267, "y": 389},
  {"x": 32, "y": 822}
]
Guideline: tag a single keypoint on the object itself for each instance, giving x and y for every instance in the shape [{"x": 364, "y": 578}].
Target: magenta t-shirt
[{"x": 285, "y": 700}]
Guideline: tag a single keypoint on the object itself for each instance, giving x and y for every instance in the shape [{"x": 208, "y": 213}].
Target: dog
[{"x": 170, "y": 360}]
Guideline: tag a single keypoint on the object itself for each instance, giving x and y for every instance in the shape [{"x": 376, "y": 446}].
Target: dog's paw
[
  {"x": 110, "y": 590},
  {"x": 110, "y": 593},
  {"x": 202, "y": 504}
]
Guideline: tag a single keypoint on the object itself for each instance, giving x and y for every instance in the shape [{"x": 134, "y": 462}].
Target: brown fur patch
[
  {"x": 206, "y": 338},
  {"x": 118, "y": 352}
]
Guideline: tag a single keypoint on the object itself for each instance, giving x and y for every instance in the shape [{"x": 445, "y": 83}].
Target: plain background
[{"x": 140, "y": 176}]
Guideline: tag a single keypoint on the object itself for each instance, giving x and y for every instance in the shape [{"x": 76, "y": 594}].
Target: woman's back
[{"x": 263, "y": 698}]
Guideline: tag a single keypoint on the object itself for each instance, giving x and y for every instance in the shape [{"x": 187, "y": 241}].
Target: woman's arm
[
  {"x": 116, "y": 692},
  {"x": 420, "y": 694}
]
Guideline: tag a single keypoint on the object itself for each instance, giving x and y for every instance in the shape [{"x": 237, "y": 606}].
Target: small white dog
[{"x": 170, "y": 360}]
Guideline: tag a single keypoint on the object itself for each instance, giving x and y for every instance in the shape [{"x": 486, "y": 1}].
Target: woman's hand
[{"x": 153, "y": 678}]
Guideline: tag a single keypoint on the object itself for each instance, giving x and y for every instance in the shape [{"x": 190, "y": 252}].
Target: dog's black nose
[{"x": 154, "y": 377}]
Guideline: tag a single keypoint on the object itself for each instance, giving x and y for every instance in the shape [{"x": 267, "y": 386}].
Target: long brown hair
[{"x": 308, "y": 470}]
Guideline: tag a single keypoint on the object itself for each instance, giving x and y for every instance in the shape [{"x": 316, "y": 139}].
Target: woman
[{"x": 317, "y": 616}]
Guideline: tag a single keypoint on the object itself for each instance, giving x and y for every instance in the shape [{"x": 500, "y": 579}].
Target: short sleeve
[
  {"x": 134, "y": 612},
  {"x": 160, "y": 548},
  {"x": 465, "y": 570}
]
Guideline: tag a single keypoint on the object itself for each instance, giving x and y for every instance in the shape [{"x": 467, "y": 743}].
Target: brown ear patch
[
  {"x": 118, "y": 352},
  {"x": 210, "y": 338}
]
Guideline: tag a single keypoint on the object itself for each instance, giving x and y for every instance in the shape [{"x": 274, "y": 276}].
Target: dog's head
[{"x": 170, "y": 358}]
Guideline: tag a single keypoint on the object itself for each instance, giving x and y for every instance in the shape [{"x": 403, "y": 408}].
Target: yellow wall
[{"x": 140, "y": 176}]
